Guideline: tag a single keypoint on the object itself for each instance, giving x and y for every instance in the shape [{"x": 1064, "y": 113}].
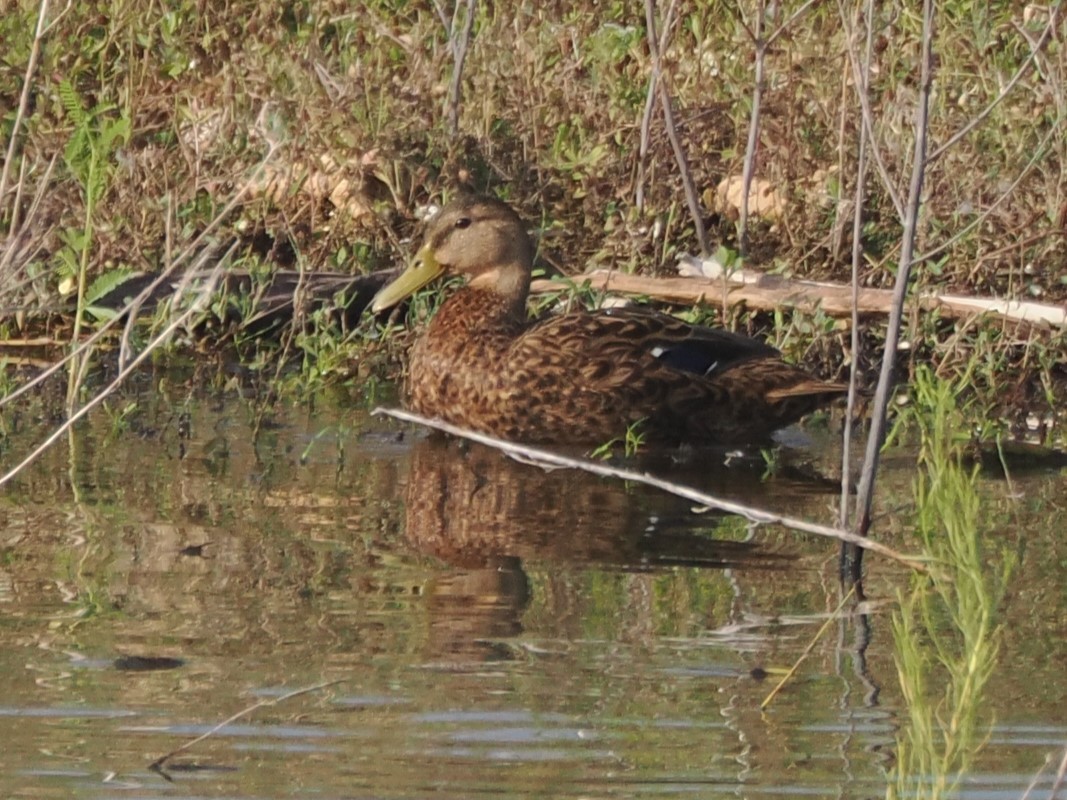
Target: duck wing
[
  {"x": 685, "y": 380},
  {"x": 677, "y": 345},
  {"x": 624, "y": 339}
]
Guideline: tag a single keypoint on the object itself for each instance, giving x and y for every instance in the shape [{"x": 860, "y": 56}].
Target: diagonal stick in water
[{"x": 543, "y": 458}]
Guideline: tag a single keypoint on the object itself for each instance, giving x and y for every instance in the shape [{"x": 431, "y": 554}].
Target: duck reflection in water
[{"x": 494, "y": 521}]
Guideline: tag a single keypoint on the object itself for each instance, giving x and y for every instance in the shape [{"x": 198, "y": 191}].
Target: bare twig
[
  {"x": 547, "y": 458},
  {"x": 459, "y": 40},
  {"x": 857, "y": 258},
  {"x": 650, "y": 106},
  {"x": 748, "y": 169},
  {"x": 159, "y": 763},
  {"x": 789, "y": 22},
  {"x": 444, "y": 19},
  {"x": 1039, "y": 156},
  {"x": 42, "y": 30},
  {"x": 669, "y": 123},
  {"x": 749, "y": 166},
  {"x": 868, "y": 115},
  {"x": 876, "y": 436},
  {"x": 1057, "y": 781},
  {"x": 844, "y": 118}
]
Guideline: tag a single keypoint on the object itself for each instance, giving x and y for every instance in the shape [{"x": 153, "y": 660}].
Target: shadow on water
[{"x": 497, "y": 629}]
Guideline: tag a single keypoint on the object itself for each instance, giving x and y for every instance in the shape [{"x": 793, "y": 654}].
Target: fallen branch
[
  {"x": 770, "y": 292},
  {"x": 547, "y": 458}
]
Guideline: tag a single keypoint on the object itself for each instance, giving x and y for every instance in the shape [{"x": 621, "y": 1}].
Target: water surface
[{"x": 482, "y": 627}]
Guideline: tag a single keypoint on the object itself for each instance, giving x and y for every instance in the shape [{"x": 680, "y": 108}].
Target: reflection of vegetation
[
  {"x": 945, "y": 631},
  {"x": 677, "y": 603}
]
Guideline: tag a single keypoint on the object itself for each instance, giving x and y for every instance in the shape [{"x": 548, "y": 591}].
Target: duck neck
[
  {"x": 474, "y": 308},
  {"x": 510, "y": 282}
]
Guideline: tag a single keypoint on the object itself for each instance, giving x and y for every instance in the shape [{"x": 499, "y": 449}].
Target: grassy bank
[{"x": 309, "y": 134}]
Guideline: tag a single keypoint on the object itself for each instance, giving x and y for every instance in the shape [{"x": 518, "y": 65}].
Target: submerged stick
[
  {"x": 159, "y": 763},
  {"x": 547, "y": 458},
  {"x": 807, "y": 650}
]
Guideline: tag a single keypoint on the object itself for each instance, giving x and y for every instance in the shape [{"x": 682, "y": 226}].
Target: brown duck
[{"x": 585, "y": 376}]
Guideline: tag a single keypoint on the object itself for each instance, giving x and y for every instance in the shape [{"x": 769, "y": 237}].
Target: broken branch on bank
[{"x": 771, "y": 292}]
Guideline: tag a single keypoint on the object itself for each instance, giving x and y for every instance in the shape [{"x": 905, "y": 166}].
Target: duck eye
[{"x": 463, "y": 222}]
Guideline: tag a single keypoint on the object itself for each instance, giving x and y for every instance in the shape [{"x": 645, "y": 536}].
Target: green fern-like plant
[{"x": 97, "y": 133}]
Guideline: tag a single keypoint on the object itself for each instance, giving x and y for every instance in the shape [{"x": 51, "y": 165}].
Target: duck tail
[{"x": 808, "y": 388}]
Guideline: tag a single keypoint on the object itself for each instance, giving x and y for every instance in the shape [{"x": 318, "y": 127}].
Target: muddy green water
[{"x": 489, "y": 629}]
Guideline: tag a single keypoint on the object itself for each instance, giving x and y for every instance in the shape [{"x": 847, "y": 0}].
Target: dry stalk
[
  {"x": 1057, "y": 780},
  {"x": 1039, "y": 157},
  {"x": 669, "y": 123},
  {"x": 876, "y": 436},
  {"x": 868, "y": 115},
  {"x": 547, "y": 458},
  {"x": 16, "y": 234},
  {"x": 752, "y": 143},
  {"x": 1061, "y": 775},
  {"x": 24, "y": 168},
  {"x": 159, "y": 763},
  {"x": 191, "y": 249},
  {"x": 42, "y": 29}
]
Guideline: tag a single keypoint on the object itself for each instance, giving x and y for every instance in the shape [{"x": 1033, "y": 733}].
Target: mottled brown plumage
[{"x": 580, "y": 377}]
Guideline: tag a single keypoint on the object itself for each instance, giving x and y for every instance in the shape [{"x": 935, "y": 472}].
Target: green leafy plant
[
  {"x": 96, "y": 136},
  {"x": 633, "y": 441},
  {"x": 945, "y": 632}
]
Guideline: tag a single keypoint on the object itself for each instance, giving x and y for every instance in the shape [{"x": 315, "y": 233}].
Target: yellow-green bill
[{"x": 423, "y": 269}]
